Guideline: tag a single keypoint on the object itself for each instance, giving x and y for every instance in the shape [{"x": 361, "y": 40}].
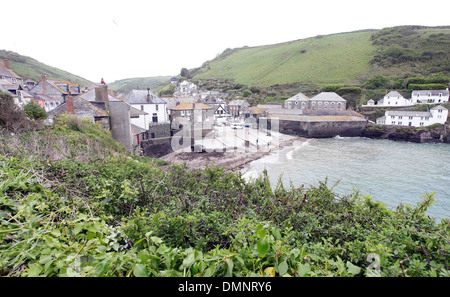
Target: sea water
[{"x": 389, "y": 171}]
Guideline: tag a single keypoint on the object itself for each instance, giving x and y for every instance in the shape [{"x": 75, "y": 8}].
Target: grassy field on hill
[
  {"x": 29, "y": 68},
  {"x": 345, "y": 58},
  {"x": 322, "y": 59},
  {"x": 154, "y": 83}
]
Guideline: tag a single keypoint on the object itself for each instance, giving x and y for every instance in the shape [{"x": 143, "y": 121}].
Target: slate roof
[
  {"x": 140, "y": 97},
  {"x": 298, "y": 97},
  {"x": 237, "y": 102},
  {"x": 90, "y": 96},
  {"x": 432, "y": 92},
  {"x": 186, "y": 106},
  {"x": 328, "y": 96},
  {"x": 81, "y": 106},
  {"x": 439, "y": 107},
  {"x": 393, "y": 94},
  {"x": 7, "y": 72},
  {"x": 407, "y": 113}
]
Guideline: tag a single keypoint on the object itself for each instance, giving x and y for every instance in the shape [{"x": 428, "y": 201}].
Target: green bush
[
  {"x": 426, "y": 86},
  {"x": 34, "y": 111},
  {"x": 331, "y": 88}
]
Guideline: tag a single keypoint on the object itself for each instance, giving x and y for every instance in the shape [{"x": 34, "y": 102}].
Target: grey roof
[
  {"x": 238, "y": 102},
  {"x": 407, "y": 113},
  {"x": 7, "y": 72},
  {"x": 328, "y": 96},
  {"x": 432, "y": 92},
  {"x": 439, "y": 107},
  {"x": 394, "y": 94},
  {"x": 90, "y": 96},
  {"x": 140, "y": 97},
  {"x": 298, "y": 97}
]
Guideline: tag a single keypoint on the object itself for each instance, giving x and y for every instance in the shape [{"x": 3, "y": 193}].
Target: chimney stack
[
  {"x": 44, "y": 86},
  {"x": 148, "y": 96},
  {"x": 69, "y": 104},
  {"x": 101, "y": 93},
  {"x": 7, "y": 65}
]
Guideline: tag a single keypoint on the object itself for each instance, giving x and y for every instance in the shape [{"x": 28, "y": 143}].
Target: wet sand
[{"x": 241, "y": 147}]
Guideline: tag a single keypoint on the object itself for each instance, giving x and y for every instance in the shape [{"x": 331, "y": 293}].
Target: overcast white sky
[{"x": 135, "y": 38}]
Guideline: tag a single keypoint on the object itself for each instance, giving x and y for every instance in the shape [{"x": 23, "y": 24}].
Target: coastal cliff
[{"x": 431, "y": 134}]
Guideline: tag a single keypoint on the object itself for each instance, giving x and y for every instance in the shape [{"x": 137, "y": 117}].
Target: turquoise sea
[{"x": 389, "y": 171}]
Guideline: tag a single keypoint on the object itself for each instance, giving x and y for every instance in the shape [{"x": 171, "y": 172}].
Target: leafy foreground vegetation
[
  {"x": 73, "y": 203},
  {"x": 123, "y": 216}
]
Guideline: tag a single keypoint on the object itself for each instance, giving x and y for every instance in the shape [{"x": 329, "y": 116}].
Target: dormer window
[{"x": 13, "y": 80}]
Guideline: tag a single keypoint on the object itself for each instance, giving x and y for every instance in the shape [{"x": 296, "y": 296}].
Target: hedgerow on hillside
[{"x": 119, "y": 215}]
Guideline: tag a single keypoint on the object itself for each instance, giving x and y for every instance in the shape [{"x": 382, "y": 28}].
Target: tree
[
  {"x": 185, "y": 73},
  {"x": 34, "y": 111}
]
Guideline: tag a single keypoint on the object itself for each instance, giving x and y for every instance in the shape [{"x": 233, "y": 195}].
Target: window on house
[
  {"x": 421, "y": 123},
  {"x": 155, "y": 118},
  {"x": 13, "y": 80},
  {"x": 400, "y": 117},
  {"x": 427, "y": 118},
  {"x": 410, "y": 118},
  {"x": 399, "y": 123},
  {"x": 156, "y": 107},
  {"x": 392, "y": 117},
  {"x": 142, "y": 107},
  {"x": 393, "y": 122}
]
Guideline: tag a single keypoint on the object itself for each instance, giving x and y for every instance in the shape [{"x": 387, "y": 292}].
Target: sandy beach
[{"x": 231, "y": 148}]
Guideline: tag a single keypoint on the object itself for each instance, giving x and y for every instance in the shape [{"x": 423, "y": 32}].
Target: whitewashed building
[
  {"x": 429, "y": 96},
  {"x": 155, "y": 107},
  {"x": 436, "y": 115},
  {"x": 394, "y": 98}
]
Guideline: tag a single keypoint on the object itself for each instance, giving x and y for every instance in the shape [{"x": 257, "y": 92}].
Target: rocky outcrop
[{"x": 410, "y": 134}]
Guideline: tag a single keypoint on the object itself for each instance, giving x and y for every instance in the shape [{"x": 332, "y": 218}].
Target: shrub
[
  {"x": 377, "y": 82},
  {"x": 426, "y": 86},
  {"x": 34, "y": 111},
  {"x": 331, "y": 88},
  {"x": 12, "y": 118}
]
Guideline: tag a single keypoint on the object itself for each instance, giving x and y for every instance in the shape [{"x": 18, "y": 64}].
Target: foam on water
[{"x": 392, "y": 172}]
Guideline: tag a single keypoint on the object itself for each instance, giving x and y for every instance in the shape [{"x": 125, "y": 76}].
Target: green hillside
[
  {"x": 29, "y": 68},
  {"x": 128, "y": 84},
  {"x": 346, "y": 58}
]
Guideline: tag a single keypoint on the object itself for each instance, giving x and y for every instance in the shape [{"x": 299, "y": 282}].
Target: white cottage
[
  {"x": 429, "y": 96},
  {"x": 155, "y": 107},
  {"x": 394, "y": 98},
  {"x": 436, "y": 115}
]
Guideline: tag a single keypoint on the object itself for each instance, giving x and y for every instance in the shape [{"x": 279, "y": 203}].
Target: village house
[
  {"x": 436, "y": 115},
  {"x": 8, "y": 75},
  {"x": 429, "y": 96},
  {"x": 113, "y": 114},
  {"x": 394, "y": 98},
  {"x": 154, "y": 107},
  {"x": 19, "y": 95},
  {"x": 236, "y": 107},
  {"x": 196, "y": 116},
  {"x": 50, "y": 93},
  {"x": 188, "y": 88}
]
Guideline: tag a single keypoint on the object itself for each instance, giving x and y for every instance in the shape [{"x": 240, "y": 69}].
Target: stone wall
[
  {"x": 322, "y": 129},
  {"x": 159, "y": 130},
  {"x": 157, "y": 147}
]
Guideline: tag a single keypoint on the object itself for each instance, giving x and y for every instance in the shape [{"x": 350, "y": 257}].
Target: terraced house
[
  {"x": 436, "y": 115},
  {"x": 50, "y": 93}
]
